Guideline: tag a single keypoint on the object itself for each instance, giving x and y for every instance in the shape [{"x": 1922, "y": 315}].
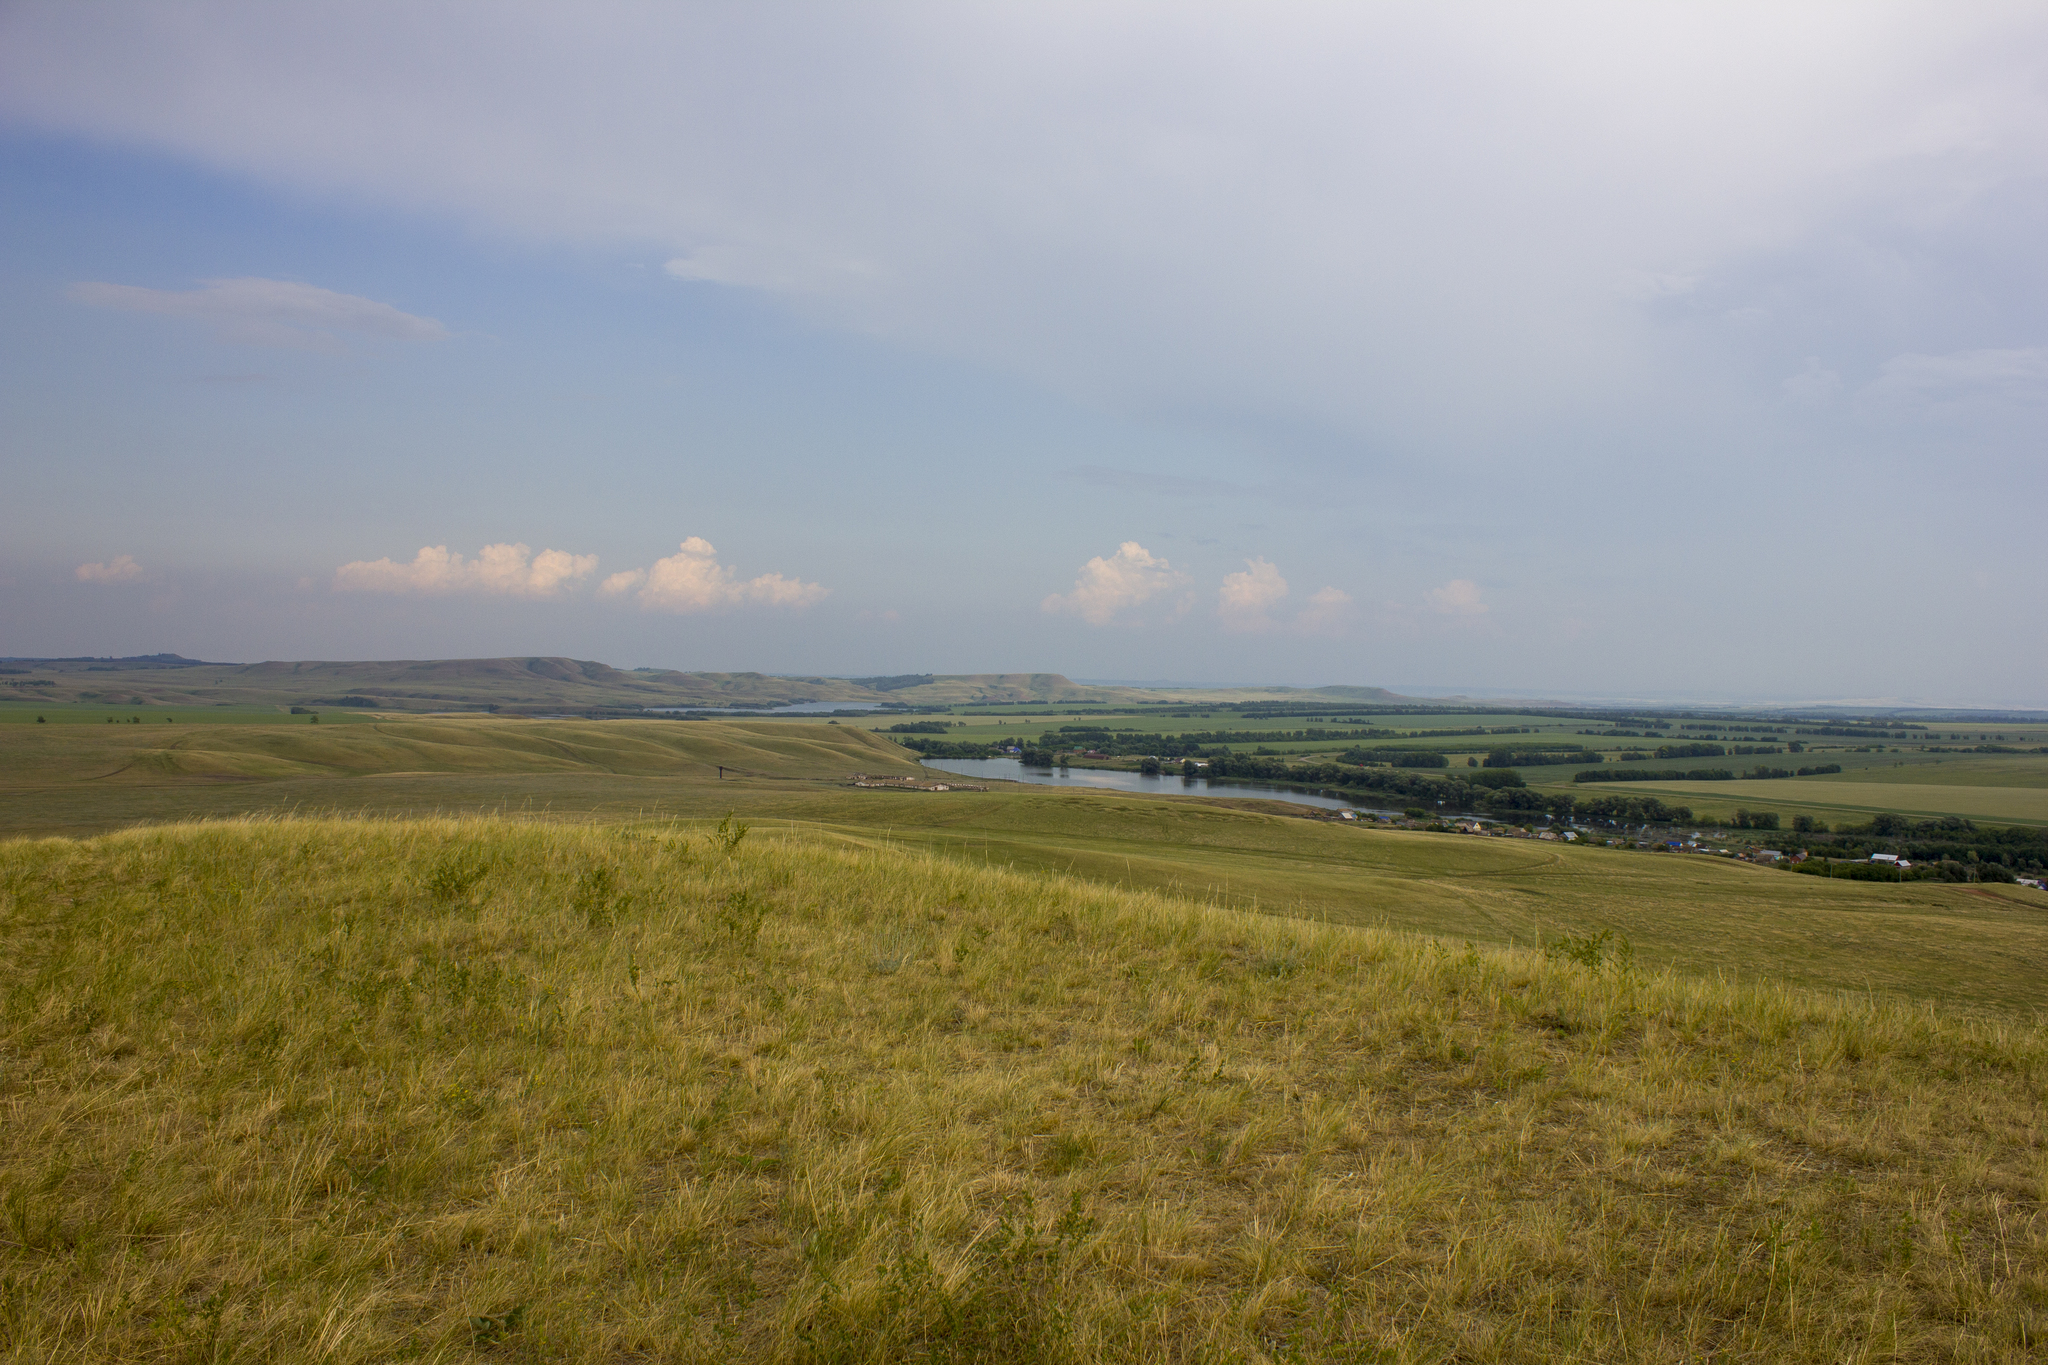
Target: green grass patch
[{"x": 364, "y": 1091}]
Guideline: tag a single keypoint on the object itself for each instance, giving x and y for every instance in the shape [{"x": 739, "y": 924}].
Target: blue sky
[{"x": 1611, "y": 350}]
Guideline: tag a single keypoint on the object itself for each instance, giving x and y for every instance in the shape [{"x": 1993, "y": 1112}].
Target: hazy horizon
[{"x": 1589, "y": 351}]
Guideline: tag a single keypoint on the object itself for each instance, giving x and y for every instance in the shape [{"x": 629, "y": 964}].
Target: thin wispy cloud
[
  {"x": 119, "y": 569},
  {"x": 1108, "y": 587},
  {"x": 259, "y": 312},
  {"x": 2010, "y": 376},
  {"x": 692, "y": 580},
  {"x": 1170, "y": 485},
  {"x": 504, "y": 570}
]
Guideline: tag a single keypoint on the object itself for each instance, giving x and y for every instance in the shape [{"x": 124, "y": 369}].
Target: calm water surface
[{"x": 1172, "y": 784}]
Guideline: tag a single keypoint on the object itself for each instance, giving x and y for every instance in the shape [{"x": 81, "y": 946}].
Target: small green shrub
[
  {"x": 729, "y": 832},
  {"x": 598, "y": 898},
  {"x": 455, "y": 877}
]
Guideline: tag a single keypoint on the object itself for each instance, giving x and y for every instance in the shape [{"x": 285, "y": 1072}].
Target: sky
[{"x": 1687, "y": 351}]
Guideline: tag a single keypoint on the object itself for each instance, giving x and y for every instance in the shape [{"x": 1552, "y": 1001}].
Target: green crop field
[{"x": 1849, "y": 800}]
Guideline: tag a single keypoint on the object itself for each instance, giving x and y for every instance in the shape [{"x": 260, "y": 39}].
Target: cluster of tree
[
  {"x": 1742, "y": 749},
  {"x": 1691, "y": 751},
  {"x": 1499, "y": 791},
  {"x": 921, "y": 727},
  {"x": 1954, "y": 839},
  {"x": 1755, "y": 819},
  {"x": 945, "y": 748},
  {"x": 1538, "y": 758},
  {"x": 1630, "y": 810},
  {"x": 1857, "y": 731},
  {"x": 1939, "y": 870},
  {"x": 1275, "y": 736},
  {"x": 1863, "y": 872},
  {"x": 1193, "y": 744},
  {"x": 1760, "y": 772},
  {"x": 1656, "y": 775},
  {"x": 1399, "y": 758},
  {"x": 1947, "y": 838}
]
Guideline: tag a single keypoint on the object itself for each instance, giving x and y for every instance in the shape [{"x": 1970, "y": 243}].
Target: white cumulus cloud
[
  {"x": 1327, "y": 612},
  {"x": 260, "y": 312},
  {"x": 510, "y": 570},
  {"x": 1248, "y": 600},
  {"x": 1457, "y": 598},
  {"x": 1129, "y": 578},
  {"x": 694, "y": 580},
  {"x": 1245, "y": 601},
  {"x": 119, "y": 569}
]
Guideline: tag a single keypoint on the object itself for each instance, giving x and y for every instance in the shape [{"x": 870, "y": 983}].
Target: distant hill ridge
[{"x": 541, "y": 684}]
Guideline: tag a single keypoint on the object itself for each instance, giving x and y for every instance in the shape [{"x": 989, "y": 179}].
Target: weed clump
[
  {"x": 599, "y": 898},
  {"x": 455, "y": 877},
  {"x": 729, "y": 833},
  {"x": 1595, "y": 951}
]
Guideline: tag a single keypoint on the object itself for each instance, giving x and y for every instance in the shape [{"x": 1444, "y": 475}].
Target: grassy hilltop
[{"x": 373, "y": 1090}]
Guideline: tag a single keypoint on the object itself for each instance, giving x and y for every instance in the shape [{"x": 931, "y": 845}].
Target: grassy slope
[
  {"x": 1962, "y": 944},
  {"x": 364, "y": 1091},
  {"x": 45, "y": 759}
]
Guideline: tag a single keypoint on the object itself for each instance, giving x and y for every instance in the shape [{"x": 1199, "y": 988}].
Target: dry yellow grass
[{"x": 361, "y": 1091}]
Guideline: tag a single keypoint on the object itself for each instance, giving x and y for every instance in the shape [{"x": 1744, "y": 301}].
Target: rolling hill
[{"x": 545, "y": 683}]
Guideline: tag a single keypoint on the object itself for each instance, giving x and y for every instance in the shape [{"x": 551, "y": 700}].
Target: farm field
[
  {"x": 1965, "y": 770},
  {"x": 1839, "y": 800},
  {"x": 1981, "y": 946},
  {"x": 443, "y": 1089},
  {"x": 1984, "y": 786}
]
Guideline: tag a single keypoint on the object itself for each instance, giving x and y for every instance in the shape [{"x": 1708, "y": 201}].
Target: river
[{"x": 1169, "y": 784}]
